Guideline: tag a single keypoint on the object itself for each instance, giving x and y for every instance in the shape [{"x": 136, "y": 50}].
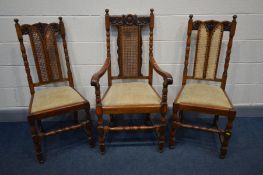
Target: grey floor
[{"x": 195, "y": 153}]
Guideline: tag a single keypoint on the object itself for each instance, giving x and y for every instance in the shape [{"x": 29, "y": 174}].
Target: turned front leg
[
  {"x": 175, "y": 119},
  {"x": 101, "y": 133},
  {"x": 36, "y": 140},
  {"x": 227, "y": 135},
  {"x": 88, "y": 127},
  {"x": 162, "y": 131}
]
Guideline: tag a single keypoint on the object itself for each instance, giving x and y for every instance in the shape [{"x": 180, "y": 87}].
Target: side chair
[
  {"x": 50, "y": 101},
  {"x": 196, "y": 93}
]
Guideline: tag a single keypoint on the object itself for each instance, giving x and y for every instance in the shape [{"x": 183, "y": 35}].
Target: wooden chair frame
[
  {"x": 34, "y": 119},
  {"x": 100, "y": 109},
  {"x": 178, "y": 108}
]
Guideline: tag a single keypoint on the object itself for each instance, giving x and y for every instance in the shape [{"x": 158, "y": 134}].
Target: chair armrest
[
  {"x": 95, "y": 82},
  {"x": 166, "y": 76},
  {"x": 96, "y": 77},
  {"x": 168, "y": 79}
]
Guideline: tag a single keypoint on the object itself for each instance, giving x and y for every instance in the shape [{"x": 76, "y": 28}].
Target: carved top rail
[
  {"x": 129, "y": 20},
  {"x": 211, "y": 24}
]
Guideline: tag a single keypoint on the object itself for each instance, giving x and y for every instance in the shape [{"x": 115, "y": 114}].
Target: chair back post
[
  {"x": 107, "y": 25},
  {"x": 63, "y": 35},
  {"x": 228, "y": 52},
  {"x": 187, "y": 49},
  {"x": 24, "y": 56},
  {"x": 151, "y": 46}
]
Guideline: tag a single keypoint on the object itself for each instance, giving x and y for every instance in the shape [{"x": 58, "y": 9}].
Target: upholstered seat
[
  {"x": 135, "y": 93},
  {"x": 203, "y": 94},
  {"x": 55, "y": 97}
]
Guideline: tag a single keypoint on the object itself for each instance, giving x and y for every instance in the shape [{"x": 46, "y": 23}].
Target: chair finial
[
  {"x": 60, "y": 19},
  {"x": 191, "y": 16},
  {"x": 107, "y": 11},
  {"x": 16, "y": 20},
  {"x": 234, "y": 17},
  {"x": 151, "y": 10}
]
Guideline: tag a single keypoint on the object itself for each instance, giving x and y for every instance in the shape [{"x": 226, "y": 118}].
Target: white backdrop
[{"x": 84, "y": 22}]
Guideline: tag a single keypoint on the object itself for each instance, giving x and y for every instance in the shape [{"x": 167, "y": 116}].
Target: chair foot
[
  {"x": 171, "y": 146},
  {"x": 222, "y": 156},
  {"x": 223, "y": 153},
  {"x": 102, "y": 149},
  {"x": 161, "y": 148},
  {"x": 40, "y": 158},
  {"x": 172, "y": 141},
  {"x": 91, "y": 142},
  {"x": 161, "y": 145}
]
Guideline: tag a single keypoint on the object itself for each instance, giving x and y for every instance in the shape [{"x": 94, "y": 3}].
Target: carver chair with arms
[{"x": 133, "y": 97}]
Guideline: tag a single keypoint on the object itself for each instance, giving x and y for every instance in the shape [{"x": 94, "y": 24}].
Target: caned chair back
[
  {"x": 43, "y": 39},
  {"x": 208, "y": 47},
  {"x": 129, "y": 42}
]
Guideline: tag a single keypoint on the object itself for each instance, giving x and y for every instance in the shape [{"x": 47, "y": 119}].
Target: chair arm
[
  {"x": 166, "y": 76},
  {"x": 96, "y": 77},
  {"x": 95, "y": 82},
  {"x": 168, "y": 79}
]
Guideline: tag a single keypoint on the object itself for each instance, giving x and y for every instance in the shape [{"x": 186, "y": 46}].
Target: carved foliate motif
[
  {"x": 41, "y": 27},
  {"x": 129, "y": 20},
  {"x": 211, "y": 24}
]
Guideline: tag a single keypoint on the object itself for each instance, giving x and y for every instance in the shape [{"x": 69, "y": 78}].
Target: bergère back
[
  {"x": 208, "y": 47},
  {"x": 129, "y": 41},
  {"x": 43, "y": 40}
]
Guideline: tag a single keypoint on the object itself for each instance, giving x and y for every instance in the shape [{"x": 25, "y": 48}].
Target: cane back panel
[
  {"x": 208, "y": 47},
  {"x": 129, "y": 43},
  {"x": 43, "y": 40}
]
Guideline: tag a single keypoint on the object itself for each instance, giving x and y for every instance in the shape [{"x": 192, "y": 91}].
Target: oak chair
[
  {"x": 205, "y": 98},
  {"x": 50, "y": 101},
  {"x": 133, "y": 97}
]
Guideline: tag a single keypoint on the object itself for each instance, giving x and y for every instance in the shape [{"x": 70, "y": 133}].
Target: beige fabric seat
[
  {"x": 135, "y": 93},
  {"x": 55, "y": 97},
  {"x": 203, "y": 94}
]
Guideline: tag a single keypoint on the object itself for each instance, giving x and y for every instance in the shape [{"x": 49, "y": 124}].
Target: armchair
[{"x": 133, "y": 97}]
